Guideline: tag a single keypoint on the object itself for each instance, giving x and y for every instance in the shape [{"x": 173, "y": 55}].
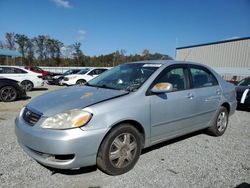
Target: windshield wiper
[{"x": 105, "y": 86}]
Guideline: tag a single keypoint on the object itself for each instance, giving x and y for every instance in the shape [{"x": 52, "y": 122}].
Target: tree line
[{"x": 43, "y": 50}]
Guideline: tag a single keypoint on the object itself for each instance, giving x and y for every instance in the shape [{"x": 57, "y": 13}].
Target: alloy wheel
[
  {"x": 8, "y": 94},
  {"x": 123, "y": 150},
  {"x": 222, "y": 121},
  {"x": 27, "y": 85}
]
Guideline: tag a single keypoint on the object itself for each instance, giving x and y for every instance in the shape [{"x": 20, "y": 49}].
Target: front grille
[{"x": 30, "y": 116}]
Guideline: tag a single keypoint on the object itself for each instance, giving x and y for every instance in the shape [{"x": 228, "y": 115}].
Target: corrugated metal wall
[{"x": 229, "y": 57}]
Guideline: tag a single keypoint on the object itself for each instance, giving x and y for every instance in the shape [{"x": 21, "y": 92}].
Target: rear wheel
[
  {"x": 219, "y": 125},
  {"x": 120, "y": 150},
  {"x": 8, "y": 94},
  {"x": 80, "y": 82},
  {"x": 28, "y": 85}
]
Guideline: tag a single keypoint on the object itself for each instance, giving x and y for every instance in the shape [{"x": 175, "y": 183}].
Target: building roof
[
  {"x": 7, "y": 52},
  {"x": 212, "y": 43}
]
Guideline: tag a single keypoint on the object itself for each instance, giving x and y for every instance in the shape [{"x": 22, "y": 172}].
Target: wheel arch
[
  {"x": 81, "y": 79},
  {"x": 134, "y": 123},
  {"x": 227, "y": 106},
  {"x": 27, "y": 80}
]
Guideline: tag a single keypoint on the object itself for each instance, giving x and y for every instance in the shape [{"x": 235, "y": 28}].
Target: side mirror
[{"x": 162, "y": 87}]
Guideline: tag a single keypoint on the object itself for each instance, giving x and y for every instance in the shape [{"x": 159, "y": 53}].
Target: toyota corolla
[{"x": 110, "y": 119}]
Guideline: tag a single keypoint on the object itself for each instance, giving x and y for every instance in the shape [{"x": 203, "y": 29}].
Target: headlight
[{"x": 67, "y": 120}]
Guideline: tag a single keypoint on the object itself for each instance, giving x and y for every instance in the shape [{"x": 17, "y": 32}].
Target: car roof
[{"x": 167, "y": 62}]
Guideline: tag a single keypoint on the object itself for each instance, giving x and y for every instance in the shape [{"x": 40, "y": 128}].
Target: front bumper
[
  {"x": 38, "y": 83},
  {"x": 69, "y": 82},
  {"x": 76, "y": 148}
]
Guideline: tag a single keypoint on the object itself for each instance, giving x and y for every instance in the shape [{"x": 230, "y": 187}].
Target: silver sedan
[{"x": 110, "y": 119}]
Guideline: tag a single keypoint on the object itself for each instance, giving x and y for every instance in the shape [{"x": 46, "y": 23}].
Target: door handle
[
  {"x": 190, "y": 96},
  {"x": 218, "y": 91}
]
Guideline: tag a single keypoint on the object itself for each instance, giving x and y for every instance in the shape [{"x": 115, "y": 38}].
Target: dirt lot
[{"x": 196, "y": 160}]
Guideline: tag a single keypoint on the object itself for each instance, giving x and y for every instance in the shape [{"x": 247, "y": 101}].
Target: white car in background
[
  {"x": 83, "y": 76},
  {"x": 27, "y": 78}
]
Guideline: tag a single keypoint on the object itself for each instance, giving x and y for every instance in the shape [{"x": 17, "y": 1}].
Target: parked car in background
[
  {"x": 10, "y": 90},
  {"x": 57, "y": 80},
  {"x": 112, "y": 117},
  {"x": 243, "y": 93},
  {"x": 83, "y": 76},
  {"x": 27, "y": 78},
  {"x": 45, "y": 74}
]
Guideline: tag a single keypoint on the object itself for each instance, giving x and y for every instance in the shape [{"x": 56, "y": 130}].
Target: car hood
[{"x": 75, "y": 97}]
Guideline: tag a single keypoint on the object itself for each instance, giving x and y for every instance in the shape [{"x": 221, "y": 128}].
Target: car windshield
[
  {"x": 127, "y": 77},
  {"x": 244, "y": 82},
  {"x": 68, "y": 72},
  {"x": 83, "y": 71}
]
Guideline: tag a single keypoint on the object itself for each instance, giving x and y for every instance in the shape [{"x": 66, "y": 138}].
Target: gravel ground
[{"x": 196, "y": 160}]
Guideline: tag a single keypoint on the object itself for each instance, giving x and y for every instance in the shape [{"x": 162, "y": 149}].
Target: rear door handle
[{"x": 190, "y": 96}]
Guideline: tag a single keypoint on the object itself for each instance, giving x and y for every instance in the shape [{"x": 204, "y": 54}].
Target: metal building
[{"x": 229, "y": 57}]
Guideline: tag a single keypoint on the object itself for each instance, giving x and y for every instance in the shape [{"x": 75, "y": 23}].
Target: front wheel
[
  {"x": 81, "y": 82},
  {"x": 8, "y": 94},
  {"x": 120, "y": 150},
  {"x": 220, "y": 122}
]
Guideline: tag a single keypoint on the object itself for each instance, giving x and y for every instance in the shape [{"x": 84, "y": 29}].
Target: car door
[
  {"x": 172, "y": 112},
  {"x": 208, "y": 94}
]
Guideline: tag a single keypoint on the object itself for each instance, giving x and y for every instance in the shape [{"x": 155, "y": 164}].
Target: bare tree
[
  {"x": 78, "y": 54},
  {"x": 67, "y": 51},
  {"x": 40, "y": 43},
  {"x": 21, "y": 40},
  {"x": 2, "y": 45},
  {"x": 122, "y": 55},
  {"x": 10, "y": 40}
]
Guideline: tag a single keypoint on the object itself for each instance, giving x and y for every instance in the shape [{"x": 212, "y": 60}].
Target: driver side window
[
  {"x": 93, "y": 72},
  {"x": 176, "y": 77}
]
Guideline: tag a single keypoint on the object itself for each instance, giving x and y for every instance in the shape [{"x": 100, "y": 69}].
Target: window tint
[
  {"x": 99, "y": 71},
  {"x": 176, "y": 77},
  {"x": 6, "y": 70},
  {"x": 11, "y": 70},
  {"x": 1, "y": 70},
  {"x": 19, "y": 71},
  {"x": 36, "y": 69},
  {"x": 83, "y": 71},
  {"x": 202, "y": 78},
  {"x": 91, "y": 73}
]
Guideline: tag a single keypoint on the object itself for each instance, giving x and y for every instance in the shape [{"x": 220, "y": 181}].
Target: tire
[
  {"x": 125, "y": 144},
  {"x": 28, "y": 85},
  {"x": 220, "y": 123},
  {"x": 8, "y": 94},
  {"x": 80, "y": 82}
]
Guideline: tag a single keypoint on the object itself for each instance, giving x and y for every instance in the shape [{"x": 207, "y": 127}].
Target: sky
[{"x": 104, "y": 26}]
